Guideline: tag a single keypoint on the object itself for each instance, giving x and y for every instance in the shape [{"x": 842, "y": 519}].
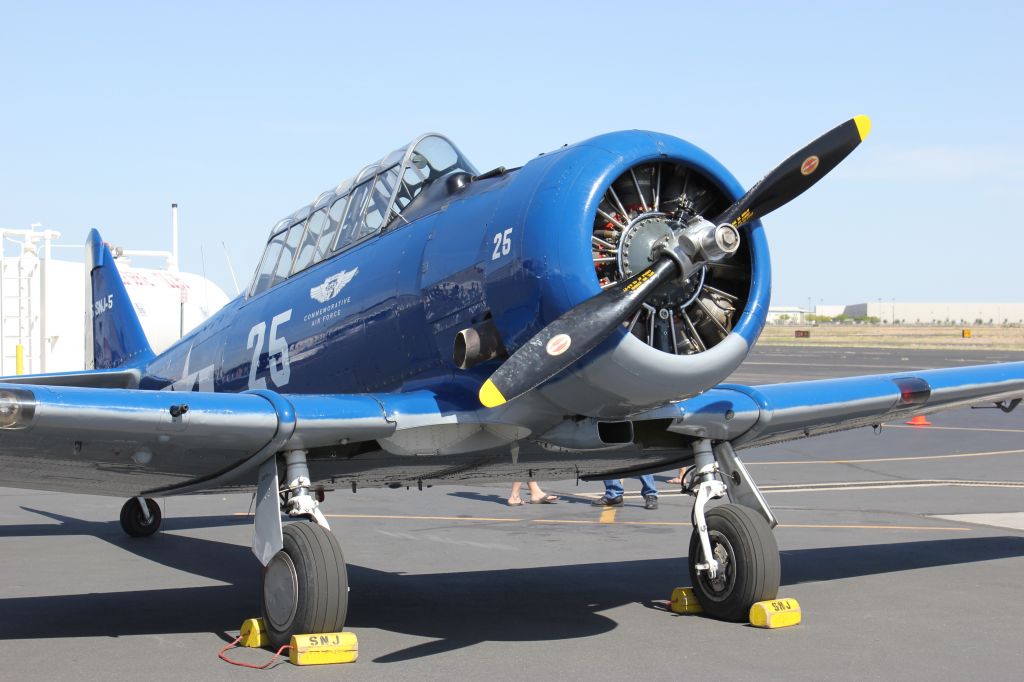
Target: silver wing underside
[{"x": 130, "y": 442}]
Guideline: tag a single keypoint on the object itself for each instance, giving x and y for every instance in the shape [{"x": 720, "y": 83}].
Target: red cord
[{"x": 266, "y": 665}]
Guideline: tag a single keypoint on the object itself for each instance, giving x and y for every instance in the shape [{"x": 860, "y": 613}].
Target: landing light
[{"x": 17, "y": 406}]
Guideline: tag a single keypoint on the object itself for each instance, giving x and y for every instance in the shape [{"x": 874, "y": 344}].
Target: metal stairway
[{"x": 18, "y": 321}]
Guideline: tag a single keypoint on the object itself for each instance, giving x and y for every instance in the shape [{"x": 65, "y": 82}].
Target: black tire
[
  {"x": 750, "y": 571},
  {"x": 305, "y": 586},
  {"x": 134, "y": 523}
]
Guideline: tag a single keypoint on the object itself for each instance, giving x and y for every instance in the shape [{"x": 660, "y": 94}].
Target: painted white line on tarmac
[
  {"x": 840, "y": 365},
  {"x": 950, "y": 428},
  {"x": 1011, "y": 520},
  {"x": 869, "y": 527},
  {"x": 916, "y": 458},
  {"x": 879, "y": 485}
]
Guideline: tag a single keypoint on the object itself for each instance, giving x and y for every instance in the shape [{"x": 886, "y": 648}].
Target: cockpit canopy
[{"x": 357, "y": 209}]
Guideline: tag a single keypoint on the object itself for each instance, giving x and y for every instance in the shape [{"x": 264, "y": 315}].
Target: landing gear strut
[
  {"x": 304, "y": 584},
  {"x": 140, "y": 517},
  {"x": 733, "y": 557}
]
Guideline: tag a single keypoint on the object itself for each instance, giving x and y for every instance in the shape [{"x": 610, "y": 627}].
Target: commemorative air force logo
[{"x": 333, "y": 285}]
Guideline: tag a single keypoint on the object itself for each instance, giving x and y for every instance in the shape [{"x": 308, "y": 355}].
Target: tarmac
[{"x": 905, "y": 550}]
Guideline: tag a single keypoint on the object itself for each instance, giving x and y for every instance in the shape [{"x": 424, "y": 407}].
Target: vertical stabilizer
[{"x": 115, "y": 337}]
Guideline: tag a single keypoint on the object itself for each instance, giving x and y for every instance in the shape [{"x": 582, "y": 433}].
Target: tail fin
[{"x": 115, "y": 337}]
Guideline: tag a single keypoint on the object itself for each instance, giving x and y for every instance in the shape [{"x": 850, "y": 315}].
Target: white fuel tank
[
  {"x": 43, "y": 309},
  {"x": 169, "y": 304}
]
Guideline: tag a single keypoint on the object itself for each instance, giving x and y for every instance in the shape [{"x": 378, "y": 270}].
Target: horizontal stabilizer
[{"x": 92, "y": 378}]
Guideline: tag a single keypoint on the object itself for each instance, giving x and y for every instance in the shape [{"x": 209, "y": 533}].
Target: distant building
[
  {"x": 786, "y": 315},
  {"x": 894, "y": 312}
]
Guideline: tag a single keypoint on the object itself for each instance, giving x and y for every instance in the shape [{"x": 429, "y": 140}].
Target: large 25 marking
[
  {"x": 280, "y": 369},
  {"x": 502, "y": 244}
]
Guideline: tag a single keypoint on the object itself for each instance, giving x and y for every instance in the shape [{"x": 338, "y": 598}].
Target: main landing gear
[
  {"x": 140, "y": 517},
  {"x": 733, "y": 557},
  {"x": 304, "y": 584}
]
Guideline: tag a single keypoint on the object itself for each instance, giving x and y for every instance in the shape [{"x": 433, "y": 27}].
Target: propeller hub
[
  {"x": 705, "y": 241},
  {"x": 642, "y": 243},
  {"x": 637, "y": 248}
]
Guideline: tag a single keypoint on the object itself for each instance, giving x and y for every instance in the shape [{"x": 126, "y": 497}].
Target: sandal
[{"x": 547, "y": 499}]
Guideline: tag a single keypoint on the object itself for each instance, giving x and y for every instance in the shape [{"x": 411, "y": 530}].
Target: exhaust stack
[{"x": 474, "y": 345}]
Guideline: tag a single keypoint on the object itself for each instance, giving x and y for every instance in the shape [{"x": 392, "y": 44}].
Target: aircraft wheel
[
  {"x": 748, "y": 563},
  {"x": 305, "y": 585},
  {"x": 134, "y": 522}
]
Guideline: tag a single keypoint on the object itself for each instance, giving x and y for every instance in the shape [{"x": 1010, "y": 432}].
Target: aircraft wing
[
  {"x": 131, "y": 442},
  {"x": 758, "y": 415}
]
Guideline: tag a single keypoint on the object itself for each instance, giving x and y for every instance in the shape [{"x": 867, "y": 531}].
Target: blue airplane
[{"x": 425, "y": 323}]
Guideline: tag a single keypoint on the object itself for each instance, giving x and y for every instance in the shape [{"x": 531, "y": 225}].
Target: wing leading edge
[
  {"x": 130, "y": 442},
  {"x": 759, "y": 415}
]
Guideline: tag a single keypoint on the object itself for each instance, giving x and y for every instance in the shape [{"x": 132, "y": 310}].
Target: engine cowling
[{"x": 598, "y": 210}]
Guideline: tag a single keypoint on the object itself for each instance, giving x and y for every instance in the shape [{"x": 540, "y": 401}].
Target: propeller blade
[
  {"x": 580, "y": 329},
  {"x": 798, "y": 173},
  {"x": 572, "y": 335}
]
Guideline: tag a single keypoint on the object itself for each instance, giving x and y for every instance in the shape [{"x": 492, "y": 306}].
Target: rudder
[{"x": 115, "y": 337}]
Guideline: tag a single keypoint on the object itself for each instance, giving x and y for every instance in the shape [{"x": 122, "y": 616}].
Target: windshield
[{"x": 358, "y": 208}]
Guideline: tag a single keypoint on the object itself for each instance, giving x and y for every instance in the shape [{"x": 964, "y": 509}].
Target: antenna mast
[{"x": 172, "y": 263}]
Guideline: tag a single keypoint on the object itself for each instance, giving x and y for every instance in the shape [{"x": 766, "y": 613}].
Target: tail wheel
[
  {"x": 305, "y": 585},
  {"x": 643, "y": 206},
  {"x": 133, "y": 520},
  {"x": 748, "y": 563}
]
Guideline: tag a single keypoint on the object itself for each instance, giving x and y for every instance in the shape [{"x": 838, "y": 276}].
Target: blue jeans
[{"x": 613, "y": 488}]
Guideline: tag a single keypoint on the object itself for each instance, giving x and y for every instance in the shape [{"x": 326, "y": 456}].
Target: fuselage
[{"x": 514, "y": 248}]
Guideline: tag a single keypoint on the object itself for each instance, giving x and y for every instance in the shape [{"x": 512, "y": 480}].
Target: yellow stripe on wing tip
[
  {"x": 490, "y": 396},
  {"x": 863, "y": 125}
]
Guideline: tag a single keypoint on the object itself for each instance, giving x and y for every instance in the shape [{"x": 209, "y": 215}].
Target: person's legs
[
  {"x": 613, "y": 488},
  {"x": 538, "y": 495},
  {"x": 612, "y": 494},
  {"x": 513, "y": 498},
  {"x": 647, "y": 485},
  {"x": 649, "y": 492}
]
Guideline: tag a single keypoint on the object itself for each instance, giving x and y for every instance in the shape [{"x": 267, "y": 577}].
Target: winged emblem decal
[{"x": 333, "y": 285}]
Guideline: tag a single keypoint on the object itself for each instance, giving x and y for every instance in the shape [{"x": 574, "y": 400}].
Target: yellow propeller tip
[
  {"x": 490, "y": 396},
  {"x": 863, "y": 126}
]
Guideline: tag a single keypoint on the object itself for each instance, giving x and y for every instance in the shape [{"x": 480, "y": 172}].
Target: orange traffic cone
[{"x": 919, "y": 420}]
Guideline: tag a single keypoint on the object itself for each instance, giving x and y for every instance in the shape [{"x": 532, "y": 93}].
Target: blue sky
[{"x": 242, "y": 112}]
